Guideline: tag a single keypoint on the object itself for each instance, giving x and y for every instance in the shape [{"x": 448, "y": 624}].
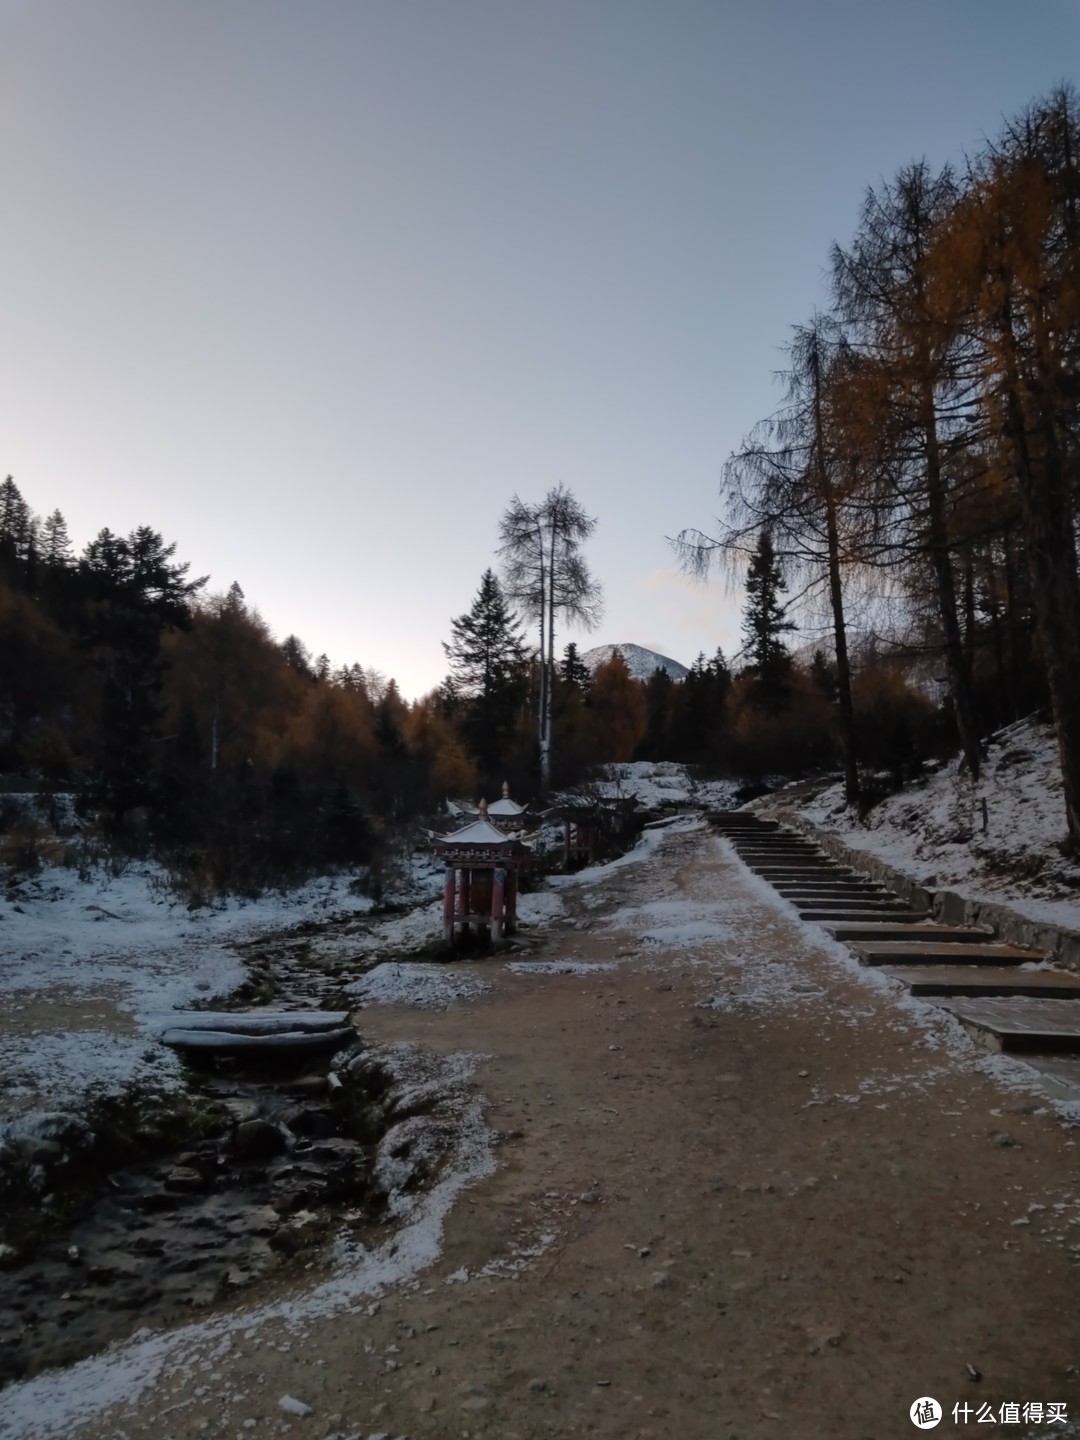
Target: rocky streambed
[{"x": 149, "y": 1209}]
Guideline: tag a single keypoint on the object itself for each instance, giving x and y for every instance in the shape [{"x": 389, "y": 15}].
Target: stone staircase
[{"x": 1004, "y": 995}]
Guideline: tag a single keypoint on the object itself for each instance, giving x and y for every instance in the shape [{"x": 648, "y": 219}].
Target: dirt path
[{"x": 791, "y": 1214}]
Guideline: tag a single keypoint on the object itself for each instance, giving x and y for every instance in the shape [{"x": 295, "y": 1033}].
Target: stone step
[
  {"x": 1060, "y": 1074},
  {"x": 841, "y": 912},
  {"x": 939, "y": 934},
  {"x": 1021, "y": 1024},
  {"x": 810, "y": 870},
  {"x": 977, "y": 980},
  {"x": 772, "y": 854},
  {"x": 833, "y": 888},
  {"x": 884, "y": 906},
  {"x": 807, "y": 862},
  {"x": 932, "y": 952}
]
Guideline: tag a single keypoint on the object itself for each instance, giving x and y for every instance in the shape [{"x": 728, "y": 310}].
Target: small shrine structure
[
  {"x": 507, "y": 813},
  {"x": 483, "y": 864}
]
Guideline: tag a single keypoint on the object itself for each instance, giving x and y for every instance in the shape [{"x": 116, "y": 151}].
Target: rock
[
  {"x": 292, "y": 1406},
  {"x": 183, "y": 1178},
  {"x": 538, "y": 1385},
  {"x": 1004, "y": 1140},
  {"x": 258, "y": 1140},
  {"x": 36, "y": 1150},
  {"x": 661, "y": 1280}
]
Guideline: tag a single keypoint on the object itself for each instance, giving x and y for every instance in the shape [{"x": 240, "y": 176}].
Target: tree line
[{"x": 920, "y": 479}]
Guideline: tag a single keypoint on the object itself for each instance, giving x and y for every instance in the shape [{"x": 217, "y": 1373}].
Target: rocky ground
[{"x": 728, "y": 1187}]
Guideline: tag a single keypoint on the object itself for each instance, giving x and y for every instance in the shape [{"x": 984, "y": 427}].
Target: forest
[{"x": 913, "y": 502}]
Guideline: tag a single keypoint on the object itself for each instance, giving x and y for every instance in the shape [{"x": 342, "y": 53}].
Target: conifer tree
[
  {"x": 488, "y": 663},
  {"x": 574, "y": 670},
  {"x": 764, "y": 625},
  {"x": 17, "y": 527},
  {"x": 55, "y": 541}
]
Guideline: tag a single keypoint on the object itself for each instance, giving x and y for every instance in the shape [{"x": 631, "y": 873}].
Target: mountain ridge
[{"x": 639, "y": 661}]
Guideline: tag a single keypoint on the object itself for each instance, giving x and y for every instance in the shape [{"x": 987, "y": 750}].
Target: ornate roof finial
[
  {"x": 483, "y": 809},
  {"x": 506, "y": 789}
]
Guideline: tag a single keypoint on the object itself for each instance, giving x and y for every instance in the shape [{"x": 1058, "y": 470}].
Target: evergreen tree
[
  {"x": 133, "y": 593},
  {"x": 574, "y": 670},
  {"x": 297, "y": 656},
  {"x": 488, "y": 664},
  {"x": 764, "y": 624},
  {"x": 17, "y": 533},
  {"x": 55, "y": 541}
]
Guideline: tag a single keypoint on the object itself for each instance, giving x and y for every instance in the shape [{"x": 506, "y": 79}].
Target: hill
[{"x": 640, "y": 662}]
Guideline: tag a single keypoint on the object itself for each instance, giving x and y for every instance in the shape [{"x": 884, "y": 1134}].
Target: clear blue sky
[{"x": 314, "y": 288}]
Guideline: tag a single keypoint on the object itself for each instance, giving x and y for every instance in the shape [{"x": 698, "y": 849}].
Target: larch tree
[
  {"x": 885, "y": 292},
  {"x": 1013, "y": 250},
  {"x": 546, "y": 577}
]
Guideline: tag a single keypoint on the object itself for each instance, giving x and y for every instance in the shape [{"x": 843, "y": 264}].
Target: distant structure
[
  {"x": 640, "y": 662},
  {"x": 483, "y": 865}
]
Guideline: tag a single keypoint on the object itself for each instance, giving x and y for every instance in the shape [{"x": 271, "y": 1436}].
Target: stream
[{"x": 155, "y": 1214}]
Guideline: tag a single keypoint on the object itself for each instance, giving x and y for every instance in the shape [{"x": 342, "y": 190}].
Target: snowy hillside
[
  {"x": 1000, "y": 838},
  {"x": 640, "y": 662}
]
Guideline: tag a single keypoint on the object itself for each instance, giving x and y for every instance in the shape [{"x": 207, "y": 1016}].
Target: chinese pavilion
[{"x": 483, "y": 864}]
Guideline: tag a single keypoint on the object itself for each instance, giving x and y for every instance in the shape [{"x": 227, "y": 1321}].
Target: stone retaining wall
[{"x": 948, "y": 906}]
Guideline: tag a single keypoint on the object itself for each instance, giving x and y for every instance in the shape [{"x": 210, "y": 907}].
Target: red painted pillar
[
  {"x": 465, "y": 898},
  {"x": 448, "y": 904},
  {"x": 498, "y": 891},
  {"x": 566, "y": 843},
  {"x": 511, "y": 901}
]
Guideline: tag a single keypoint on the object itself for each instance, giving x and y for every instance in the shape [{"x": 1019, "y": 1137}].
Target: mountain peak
[{"x": 640, "y": 662}]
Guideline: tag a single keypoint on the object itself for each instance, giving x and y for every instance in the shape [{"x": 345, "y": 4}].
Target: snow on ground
[
  {"x": 54, "y": 1403},
  {"x": 648, "y": 843},
  {"x": 559, "y": 967},
  {"x": 431, "y": 987},
  {"x": 538, "y": 907},
  {"x": 40, "y": 1071},
  {"x": 996, "y": 839},
  {"x": 80, "y": 958},
  {"x": 655, "y": 784}
]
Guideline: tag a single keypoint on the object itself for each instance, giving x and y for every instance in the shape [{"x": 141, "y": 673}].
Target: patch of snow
[
  {"x": 76, "y": 954},
  {"x": 431, "y": 987},
  {"x": 996, "y": 839},
  {"x": 539, "y": 907},
  {"x": 49, "y": 1069},
  {"x": 648, "y": 843},
  {"x": 559, "y": 967}
]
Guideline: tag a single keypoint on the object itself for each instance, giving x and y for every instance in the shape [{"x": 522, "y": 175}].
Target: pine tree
[
  {"x": 134, "y": 593},
  {"x": 488, "y": 660},
  {"x": 55, "y": 541},
  {"x": 574, "y": 670},
  {"x": 764, "y": 624},
  {"x": 17, "y": 532}
]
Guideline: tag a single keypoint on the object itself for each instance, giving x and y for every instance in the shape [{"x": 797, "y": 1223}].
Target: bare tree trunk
[
  {"x": 1046, "y": 504},
  {"x": 955, "y": 661},
  {"x": 845, "y": 706}
]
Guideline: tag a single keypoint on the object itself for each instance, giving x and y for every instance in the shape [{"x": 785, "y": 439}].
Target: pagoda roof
[
  {"x": 480, "y": 832},
  {"x": 506, "y": 806}
]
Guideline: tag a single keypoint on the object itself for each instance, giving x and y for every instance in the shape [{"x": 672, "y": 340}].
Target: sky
[{"x": 314, "y": 289}]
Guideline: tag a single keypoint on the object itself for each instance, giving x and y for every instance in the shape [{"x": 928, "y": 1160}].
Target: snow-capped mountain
[{"x": 640, "y": 662}]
